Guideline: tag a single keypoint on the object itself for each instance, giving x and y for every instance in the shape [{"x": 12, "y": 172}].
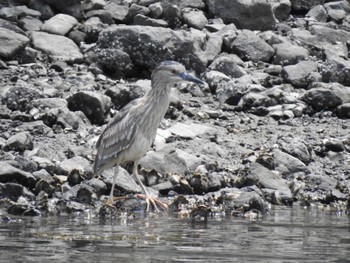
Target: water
[{"x": 286, "y": 235}]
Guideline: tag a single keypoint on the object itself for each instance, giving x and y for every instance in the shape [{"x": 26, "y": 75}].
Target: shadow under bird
[{"x": 130, "y": 134}]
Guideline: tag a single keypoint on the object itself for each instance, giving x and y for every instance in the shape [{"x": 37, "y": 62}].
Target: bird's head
[{"x": 172, "y": 72}]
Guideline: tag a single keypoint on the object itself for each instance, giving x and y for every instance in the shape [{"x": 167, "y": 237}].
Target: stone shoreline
[{"x": 270, "y": 127}]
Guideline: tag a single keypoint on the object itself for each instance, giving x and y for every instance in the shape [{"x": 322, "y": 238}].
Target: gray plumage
[{"x": 130, "y": 134}]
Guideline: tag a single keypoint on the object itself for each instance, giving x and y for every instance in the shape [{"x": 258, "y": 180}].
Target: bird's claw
[{"x": 152, "y": 201}]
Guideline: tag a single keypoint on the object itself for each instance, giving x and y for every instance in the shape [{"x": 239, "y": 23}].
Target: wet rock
[
  {"x": 85, "y": 195},
  {"x": 60, "y": 24},
  {"x": 299, "y": 74},
  {"x": 23, "y": 210},
  {"x": 321, "y": 99},
  {"x": 253, "y": 15},
  {"x": 98, "y": 185},
  {"x": 94, "y": 105},
  {"x": 287, "y": 54},
  {"x": 10, "y": 174},
  {"x": 57, "y": 47},
  {"x": 249, "y": 46},
  {"x": 19, "y": 142},
  {"x": 14, "y": 191}
]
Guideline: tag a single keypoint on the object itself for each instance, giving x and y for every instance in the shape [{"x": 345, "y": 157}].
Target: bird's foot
[{"x": 152, "y": 201}]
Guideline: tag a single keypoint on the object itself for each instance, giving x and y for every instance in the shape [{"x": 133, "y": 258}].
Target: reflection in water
[{"x": 286, "y": 235}]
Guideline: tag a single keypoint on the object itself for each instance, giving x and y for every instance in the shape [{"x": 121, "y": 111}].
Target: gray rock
[
  {"x": 60, "y": 24},
  {"x": 94, "y": 105},
  {"x": 299, "y": 74},
  {"x": 335, "y": 145},
  {"x": 102, "y": 14},
  {"x": 16, "y": 12},
  {"x": 45, "y": 9},
  {"x": 57, "y": 47},
  {"x": 287, "y": 54},
  {"x": 19, "y": 142},
  {"x": 297, "y": 148},
  {"x": 98, "y": 185},
  {"x": 118, "y": 12},
  {"x": 11, "y": 43},
  {"x": 253, "y": 15},
  {"x": 337, "y": 10},
  {"x": 305, "y": 5},
  {"x": 156, "y": 10},
  {"x": 72, "y": 8},
  {"x": 336, "y": 69},
  {"x": 125, "y": 181},
  {"x": 195, "y": 19},
  {"x": 287, "y": 164},
  {"x": 191, "y": 131},
  {"x": 214, "y": 78},
  {"x": 162, "y": 44},
  {"x": 321, "y": 99},
  {"x": 281, "y": 9},
  {"x": 343, "y": 111},
  {"x": 14, "y": 191},
  {"x": 249, "y": 46},
  {"x": 9, "y": 173},
  {"x": 343, "y": 92},
  {"x": 76, "y": 163},
  {"x": 136, "y": 9},
  {"x": 317, "y": 13},
  {"x": 30, "y": 24},
  {"x": 170, "y": 160},
  {"x": 147, "y": 21},
  {"x": 230, "y": 65}
]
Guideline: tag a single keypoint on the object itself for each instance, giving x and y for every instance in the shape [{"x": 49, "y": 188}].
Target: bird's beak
[{"x": 188, "y": 77}]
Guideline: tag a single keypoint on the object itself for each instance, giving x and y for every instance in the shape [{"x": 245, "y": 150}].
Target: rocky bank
[{"x": 270, "y": 127}]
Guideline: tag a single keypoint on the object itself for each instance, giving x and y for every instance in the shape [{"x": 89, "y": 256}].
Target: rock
[
  {"x": 60, "y": 24},
  {"x": 287, "y": 164},
  {"x": 281, "y": 9},
  {"x": 317, "y": 13},
  {"x": 321, "y": 99},
  {"x": 300, "y": 74},
  {"x": 337, "y": 10},
  {"x": 18, "y": 97},
  {"x": 118, "y": 12},
  {"x": 195, "y": 19},
  {"x": 76, "y": 163},
  {"x": 16, "y": 12},
  {"x": 162, "y": 44},
  {"x": 11, "y": 43},
  {"x": 156, "y": 10},
  {"x": 190, "y": 131},
  {"x": 72, "y": 8},
  {"x": 147, "y": 21},
  {"x": 125, "y": 182},
  {"x": 305, "y": 5},
  {"x": 30, "y": 24},
  {"x": 248, "y": 46},
  {"x": 14, "y": 191},
  {"x": 57, "y": 47},
  {"x": 265, "y": 179},
  {"x": 94, "y": 105},
  {"x": 343, "y": 111},
  {"x": 104, "y": 16},
  {"x": 253, "y": 15},
  {"x": 297, "y": 148},
  {"x": 288, "y": 54},
  {"x": 230, "y": 65},
  {"x": 168, "y": 160},
  {"x": 19, "y": 142},
  {"x": 334, "y": 145},
  {"x": 10, "y": 174}
]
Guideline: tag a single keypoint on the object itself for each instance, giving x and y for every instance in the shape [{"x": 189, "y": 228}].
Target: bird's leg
[
  {"x": 149, "y": 199},
  {"x": 110, "y": 198}
]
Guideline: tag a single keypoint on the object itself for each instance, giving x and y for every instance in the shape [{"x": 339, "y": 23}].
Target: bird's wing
[{"x": 116, "y": 137}]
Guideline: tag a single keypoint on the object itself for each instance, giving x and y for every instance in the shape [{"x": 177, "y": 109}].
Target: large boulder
[
  {"x": 245, "y": 14},
  {"x": 147, "y": 46}
]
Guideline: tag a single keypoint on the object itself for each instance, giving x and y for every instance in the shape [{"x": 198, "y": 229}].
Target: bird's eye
[{"x": 173, "y": 71}]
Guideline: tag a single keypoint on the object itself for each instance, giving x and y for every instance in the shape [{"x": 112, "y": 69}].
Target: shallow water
[{"x": 285, "y": 235}]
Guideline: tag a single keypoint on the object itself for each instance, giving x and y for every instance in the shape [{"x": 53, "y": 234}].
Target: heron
[{"x": 131, "y": 132}]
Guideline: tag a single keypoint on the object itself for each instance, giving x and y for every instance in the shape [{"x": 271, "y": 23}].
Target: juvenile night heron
[{"x": 130, "y": 134}]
